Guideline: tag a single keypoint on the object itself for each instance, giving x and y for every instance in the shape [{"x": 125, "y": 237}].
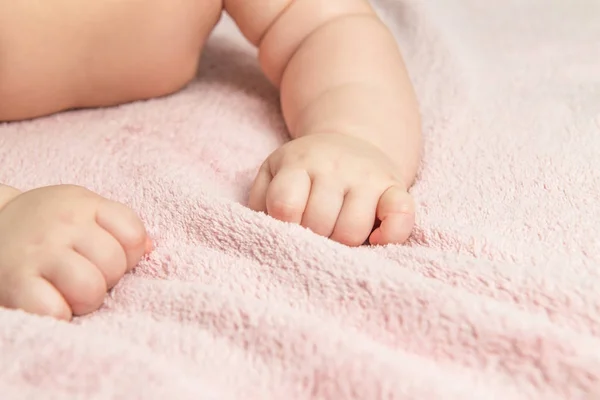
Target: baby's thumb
[{"x": 396, "y": 211}]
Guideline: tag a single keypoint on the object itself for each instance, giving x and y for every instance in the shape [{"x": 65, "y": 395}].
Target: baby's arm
[
  {"x": 339, "y": 69},
  {"x": 349, "y": 105}
]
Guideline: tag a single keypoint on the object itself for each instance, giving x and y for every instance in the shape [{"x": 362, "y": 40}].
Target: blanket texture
[{"x": 494, "y": 297}]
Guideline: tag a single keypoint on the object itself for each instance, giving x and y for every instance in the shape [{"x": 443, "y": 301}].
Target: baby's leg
[{"x": 62, "y": 54}]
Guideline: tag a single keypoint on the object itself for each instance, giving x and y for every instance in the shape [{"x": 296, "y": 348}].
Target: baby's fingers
[
  {"x": 323, "y": 206},
  {"x": 396, "y": 211},
  {"x": 258, "y": 194},
  {"x": 35, "y": 295},
  {"x": 80, "y": 282},
  {"x": 125, "y": 226},
  {"x": 357, "y": 216},
  {"x": 287, "y": 195}
]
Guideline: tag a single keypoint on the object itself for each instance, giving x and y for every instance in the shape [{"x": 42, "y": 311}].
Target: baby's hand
[
  {"x": 338, "y": 186},
  {"x": 63, "y": 247}
]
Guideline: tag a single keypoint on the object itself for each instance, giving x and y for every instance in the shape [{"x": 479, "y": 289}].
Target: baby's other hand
[
  {"x": 63, "y": 247},
  {"x": 338, "y": 186}
]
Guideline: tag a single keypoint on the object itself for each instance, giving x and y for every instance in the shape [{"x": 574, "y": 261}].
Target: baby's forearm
[
  {"x": 349, "y": 77},
  {"x": 339, "y": 70}
]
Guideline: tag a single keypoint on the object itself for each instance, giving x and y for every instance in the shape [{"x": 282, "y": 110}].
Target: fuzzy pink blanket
[{"x": 495, "y": 296}]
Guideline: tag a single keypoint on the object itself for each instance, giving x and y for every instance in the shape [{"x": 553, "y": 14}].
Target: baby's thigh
[{"x": 63, "y": 54}]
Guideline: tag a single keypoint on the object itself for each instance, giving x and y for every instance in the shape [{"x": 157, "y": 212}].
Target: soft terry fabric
[{"x": 496, "y": 295}]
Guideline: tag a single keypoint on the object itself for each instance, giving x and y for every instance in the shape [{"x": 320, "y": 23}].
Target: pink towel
[{"x": 495, "y": 296}]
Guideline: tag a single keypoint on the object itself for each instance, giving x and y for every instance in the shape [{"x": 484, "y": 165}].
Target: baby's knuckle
[
  {"x": 320, "y": 228},
  {"x": 115, "y": 257},
  {"x": 138, "y": 232},
  {"x": 349, "y": 237},
  {"x": 135, "y": 234},
  {"x": 284, "y": 209},
  {"x": 134, "y": 238},
  {"x": 52, "y": 309},
  {"x": 93, "y": 290}
]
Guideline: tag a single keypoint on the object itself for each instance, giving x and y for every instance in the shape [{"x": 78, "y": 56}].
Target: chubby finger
[
  {"x": 287, "y": 195},
  {"x": 323, "y": 206},
  {"x": 396, "y": 211},
  {"x": 104, "y": 252},
  {"x": 357, "y": 217},
  {"x": 81, "y": 284},
  {"x": 35, "y": 295},
  {"x": 257, "y": 200},
  {"x": 126, "y": 227}
]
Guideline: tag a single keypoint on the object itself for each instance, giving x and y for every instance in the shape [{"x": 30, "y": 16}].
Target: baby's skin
[{"x": 345, "y": 94}]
